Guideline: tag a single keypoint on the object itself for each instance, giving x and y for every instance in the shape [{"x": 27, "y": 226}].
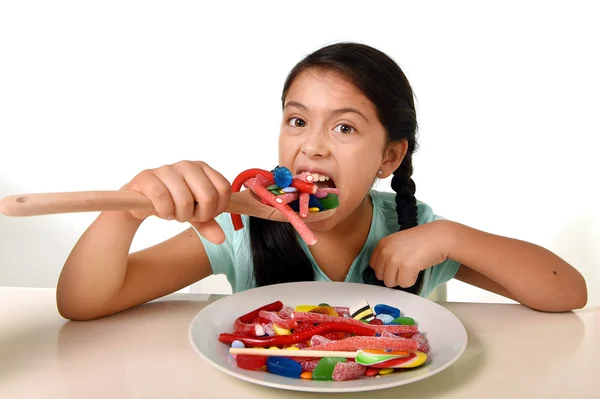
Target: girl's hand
[
  {"x": 187, "y": 192},
  {"x": 399, "y": 257}
]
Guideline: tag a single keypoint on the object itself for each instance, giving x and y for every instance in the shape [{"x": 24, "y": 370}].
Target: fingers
[
  {"x": 210, "y": 230},
  {"x": 149, "y": 184},
  {"x": 182, "y": 198},
  {"x": 208, "y": 187}
]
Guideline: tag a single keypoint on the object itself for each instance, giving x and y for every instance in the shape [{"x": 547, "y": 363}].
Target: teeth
[{"x": 319, "y": 177}]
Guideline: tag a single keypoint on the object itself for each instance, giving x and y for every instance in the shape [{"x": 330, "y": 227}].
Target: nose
[{"x": 316, "y": 143}]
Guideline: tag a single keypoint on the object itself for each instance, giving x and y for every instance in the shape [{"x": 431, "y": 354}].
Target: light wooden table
[{"x": 513, "y": 352}]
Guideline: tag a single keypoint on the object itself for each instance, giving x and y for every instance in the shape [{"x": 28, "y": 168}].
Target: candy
[
  {"x": 306, "y": 375},
  {"x": 373, "y": 358},
  {"x": 321, "y": 318},
  {"x": 281, "y": 331},
  {"x": 237, "y": 344},
  {"x": 356, "y": 343},
  {"x": 327, "y": 310},
  {"x": 325, "y": 367},
  {"x": 313, "y": 210},
  {"x": 388, "y": 310},
  {"x": 286, "y": 198},
  {"x": 303, "y": 230},
  {"x": 344, "y": 371},
  {"x": 289, "y": 189},
  {"x": 305, "y": 176},
  {"x": 316, "y": 340},
  {"x": 304, "y": 197},
  {"x": 321, "y": 194},
  {"x": 308, "y": 364},
  {"x": 377, "y": 321},
  {"x": 286, "y": 312},
  {"x": 342, "y": 310},
  {"x": 328, "y": 190},
  {"x": 236, "y": 219},
  {"x": 406, "y": 321},
  {"x": 304, "y": 187},
  {"x": 277, "y": 320},
  {"x": 385, "y": 318},
  {"x": 304, "y": 308},
  {"x": 313, "y": 202},
  {"x": 282, "y": 176},
  {"x": 371, "y": 372},
  {"x": 330, "y": 201},
  {"x": 251, "y": 362},
  {"x": 386, "y": 371},
  {"x": 244, "y": 325},
  {"x": 421, "y": 341},
  {"x": 273, "y": 187},
  {"x": 269, "y": 329},
  {"x": 305, "y": 335},
  {"x": 284, "y": 366},
  {"x": 362, "y": 311}
]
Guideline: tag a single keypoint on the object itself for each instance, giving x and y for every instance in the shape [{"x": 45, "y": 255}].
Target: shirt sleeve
[
  {"x": 222, "y": 256},
  {"x": 442, "y": 272}
]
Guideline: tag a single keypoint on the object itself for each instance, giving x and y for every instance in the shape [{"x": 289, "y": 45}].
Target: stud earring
[{"x": 380, "y": 172}]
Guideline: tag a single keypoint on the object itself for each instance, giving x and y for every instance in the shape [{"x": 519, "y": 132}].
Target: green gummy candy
[
  {"x": 330, "y": 202},
  {"x": 273, "y": 187},
  {"x": 324, "y": 369},
  {"x": 276, "y": 192},
  {"x": 405, "y": 321},
  {"x": 323, "y": 304}
]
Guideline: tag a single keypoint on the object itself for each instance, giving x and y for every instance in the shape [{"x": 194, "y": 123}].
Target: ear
[{"x": 393, "y": 156}]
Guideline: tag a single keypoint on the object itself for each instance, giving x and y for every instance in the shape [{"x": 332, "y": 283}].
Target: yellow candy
[
  {"x": 282, "y": 192},
  {"x": 385, "y": 371},
  {"x": 293, "y": 348},
  {"x": 313, "y": 209},
  {"x": 273, "y": 347},
  {"x": 281, "y": 331},
  {"x": 415, "y": 362},
  {"x": 304, "y": 308}
]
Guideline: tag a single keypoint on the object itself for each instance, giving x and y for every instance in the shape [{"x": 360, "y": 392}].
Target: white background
[{"x": 91, "y": 93}]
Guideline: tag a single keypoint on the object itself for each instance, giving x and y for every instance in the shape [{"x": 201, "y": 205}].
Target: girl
[{"x": 349, "y": 118}]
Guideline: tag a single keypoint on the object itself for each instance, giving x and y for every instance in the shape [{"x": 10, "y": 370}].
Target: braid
[{"x": 406, "y": 208}]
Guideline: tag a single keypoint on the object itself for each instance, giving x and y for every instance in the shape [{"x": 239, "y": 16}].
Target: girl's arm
[
  {"x": 100, "y": 277},
  {"x": 516, "y": 269}
]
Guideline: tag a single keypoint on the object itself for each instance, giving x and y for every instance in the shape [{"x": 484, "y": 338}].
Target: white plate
[{"x": 445, "y": 334}]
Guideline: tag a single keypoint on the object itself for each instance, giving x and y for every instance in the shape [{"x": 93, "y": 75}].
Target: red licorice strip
[
  {"x": 357, "y": 343},
  {"x": 273, "y": 317},
  {"x": 301, "y": 336},
  {"x": 321, "y": 318},
  {"x": 307, "y": 235},
  {"x": 345, "y": 371},
  {"x": 304, "y": 197},
  {"x": 245, "y": 324},
  {"x": 304, "y": 187},
  {"x": 285, "y": 198},
  {"x": 236, "y": 219}
]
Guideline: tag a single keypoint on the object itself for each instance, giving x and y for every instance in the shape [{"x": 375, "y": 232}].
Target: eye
[
  {"x": 344, "y": 128},
  {"x": 297, "y": 122}
]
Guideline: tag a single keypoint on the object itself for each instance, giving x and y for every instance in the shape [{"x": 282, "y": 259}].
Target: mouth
[{"x": 320, "y": 178}]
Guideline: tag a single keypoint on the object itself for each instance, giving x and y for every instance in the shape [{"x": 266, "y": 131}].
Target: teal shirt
[{"x": 233, "y": 258}]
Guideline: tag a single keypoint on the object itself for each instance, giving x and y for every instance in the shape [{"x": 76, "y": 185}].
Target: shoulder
[{"x": 385, "y": 203}]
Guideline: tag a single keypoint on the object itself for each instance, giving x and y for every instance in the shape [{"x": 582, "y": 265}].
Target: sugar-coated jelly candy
[
  {"x": 282, "y": 176},
  {"x": 405, "y": 321},
  {"x": 330, "y": 201},
  {"x": 385, "y": 318},
  {"x": 386, "y": 309},
  {"x": 237, "y": 344},
  {"x": 251, "y": 362},
  {"x": 284, "y": 366},
  {"x": 325, "y": 367}
]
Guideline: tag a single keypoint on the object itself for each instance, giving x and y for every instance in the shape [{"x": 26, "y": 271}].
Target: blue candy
[
  {"x": 282, "y": 176},
  {"x": 386, "y": 309},
  {"x": 289, "y": 189},
  {"x": 313, "y": 202},
  {"x": 284, "y": 366},
  {"x": 237, "y": 344}
]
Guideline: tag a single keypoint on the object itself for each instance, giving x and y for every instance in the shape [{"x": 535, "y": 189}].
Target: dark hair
[{"x": 277, "y": 254}]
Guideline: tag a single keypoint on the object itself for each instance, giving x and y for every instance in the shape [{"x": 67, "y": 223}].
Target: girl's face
[{"x": 331, "y": 129}]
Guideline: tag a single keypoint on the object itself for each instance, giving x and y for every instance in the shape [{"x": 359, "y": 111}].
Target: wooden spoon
[{"x": 243, "y": 203}]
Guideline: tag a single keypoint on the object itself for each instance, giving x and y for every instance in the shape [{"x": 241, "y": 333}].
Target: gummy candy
[{"x": 325, "y": 367}]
